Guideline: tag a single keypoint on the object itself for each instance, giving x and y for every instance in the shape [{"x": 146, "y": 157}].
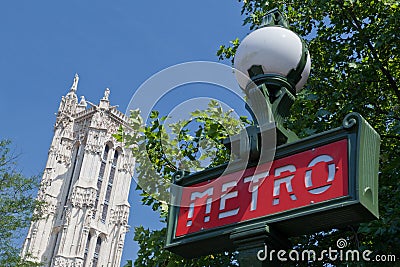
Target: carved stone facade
[
  {"x": 83, "y": 197},
  {"x": 86, "y": 185}
]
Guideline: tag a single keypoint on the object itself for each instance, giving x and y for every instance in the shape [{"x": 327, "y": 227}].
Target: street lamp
[{"x": 277, "y": 61}]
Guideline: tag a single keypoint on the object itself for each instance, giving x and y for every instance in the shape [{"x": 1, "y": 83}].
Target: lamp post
[{"x": 277, "y": 62}]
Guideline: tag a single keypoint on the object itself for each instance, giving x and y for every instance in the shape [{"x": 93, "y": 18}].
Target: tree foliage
[
  {"x": 160, "y": 154},
  {"x": 17, "y": 204},
  {"x": 354, "y": 46}
]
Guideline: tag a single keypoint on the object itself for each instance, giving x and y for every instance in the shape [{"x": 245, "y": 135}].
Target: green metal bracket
[{"x": 274, "y": 18}]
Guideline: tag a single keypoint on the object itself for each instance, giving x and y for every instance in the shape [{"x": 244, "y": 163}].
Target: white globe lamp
[
  {"x": 278, "y": 52},
  {"x": 275, "y": 61}
]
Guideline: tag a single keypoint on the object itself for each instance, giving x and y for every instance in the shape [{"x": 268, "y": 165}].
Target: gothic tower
[{"x": 85, "y": 186}]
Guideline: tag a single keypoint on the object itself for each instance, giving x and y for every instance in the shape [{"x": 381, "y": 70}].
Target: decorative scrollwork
[{"x": 351, "y": 120}]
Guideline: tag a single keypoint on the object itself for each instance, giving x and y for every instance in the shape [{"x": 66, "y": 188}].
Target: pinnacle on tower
[
  {"x": 104, "y": 102},
  {"x": 72, "y": 92},
  {"x": 82, "y": 105},
  {"x": 69, "y": 103},
  {"x": 82, "y": 102},
  {"x": 74, "y": 86},
  {"x": 106, "y": 93}
]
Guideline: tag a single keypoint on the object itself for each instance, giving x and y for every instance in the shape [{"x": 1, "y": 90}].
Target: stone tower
[{"x": 85, "y": 185}]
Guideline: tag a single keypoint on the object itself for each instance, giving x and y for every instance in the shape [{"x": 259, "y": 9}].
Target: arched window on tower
[
  {"x": 109, "y": 186},
  {"x": 87, "y": 249},
  {"x": 100, "y": 178},
  {"x": 96, "y": 252},
  {"x": 69, "y": 181}
]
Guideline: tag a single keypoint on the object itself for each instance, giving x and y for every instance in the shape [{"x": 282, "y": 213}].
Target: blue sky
[{"x": 116, "y": 44}]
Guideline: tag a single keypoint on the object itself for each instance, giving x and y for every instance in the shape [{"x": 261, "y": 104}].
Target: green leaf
[{"x": 154, "y": 114}]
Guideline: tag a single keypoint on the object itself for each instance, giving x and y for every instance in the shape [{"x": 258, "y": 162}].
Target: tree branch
[
  {"x": 391, "y": 136},
  {"x": 356, "y": 23}
]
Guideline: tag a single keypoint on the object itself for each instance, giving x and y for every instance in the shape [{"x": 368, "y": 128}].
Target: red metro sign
[
  {"x": 321, "y": 182},
  {"x": 299, "y": 180}
]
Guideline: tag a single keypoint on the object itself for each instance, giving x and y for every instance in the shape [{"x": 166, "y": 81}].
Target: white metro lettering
[
  {"x": 287, "y": 180},
  {"x": 283, "y": 179},
  {"x": 195, "y": 195},
  {"x": 254, "y": 190},
  {"x": 331, "y": 174},
  {"x": 226, "y": 196}
]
